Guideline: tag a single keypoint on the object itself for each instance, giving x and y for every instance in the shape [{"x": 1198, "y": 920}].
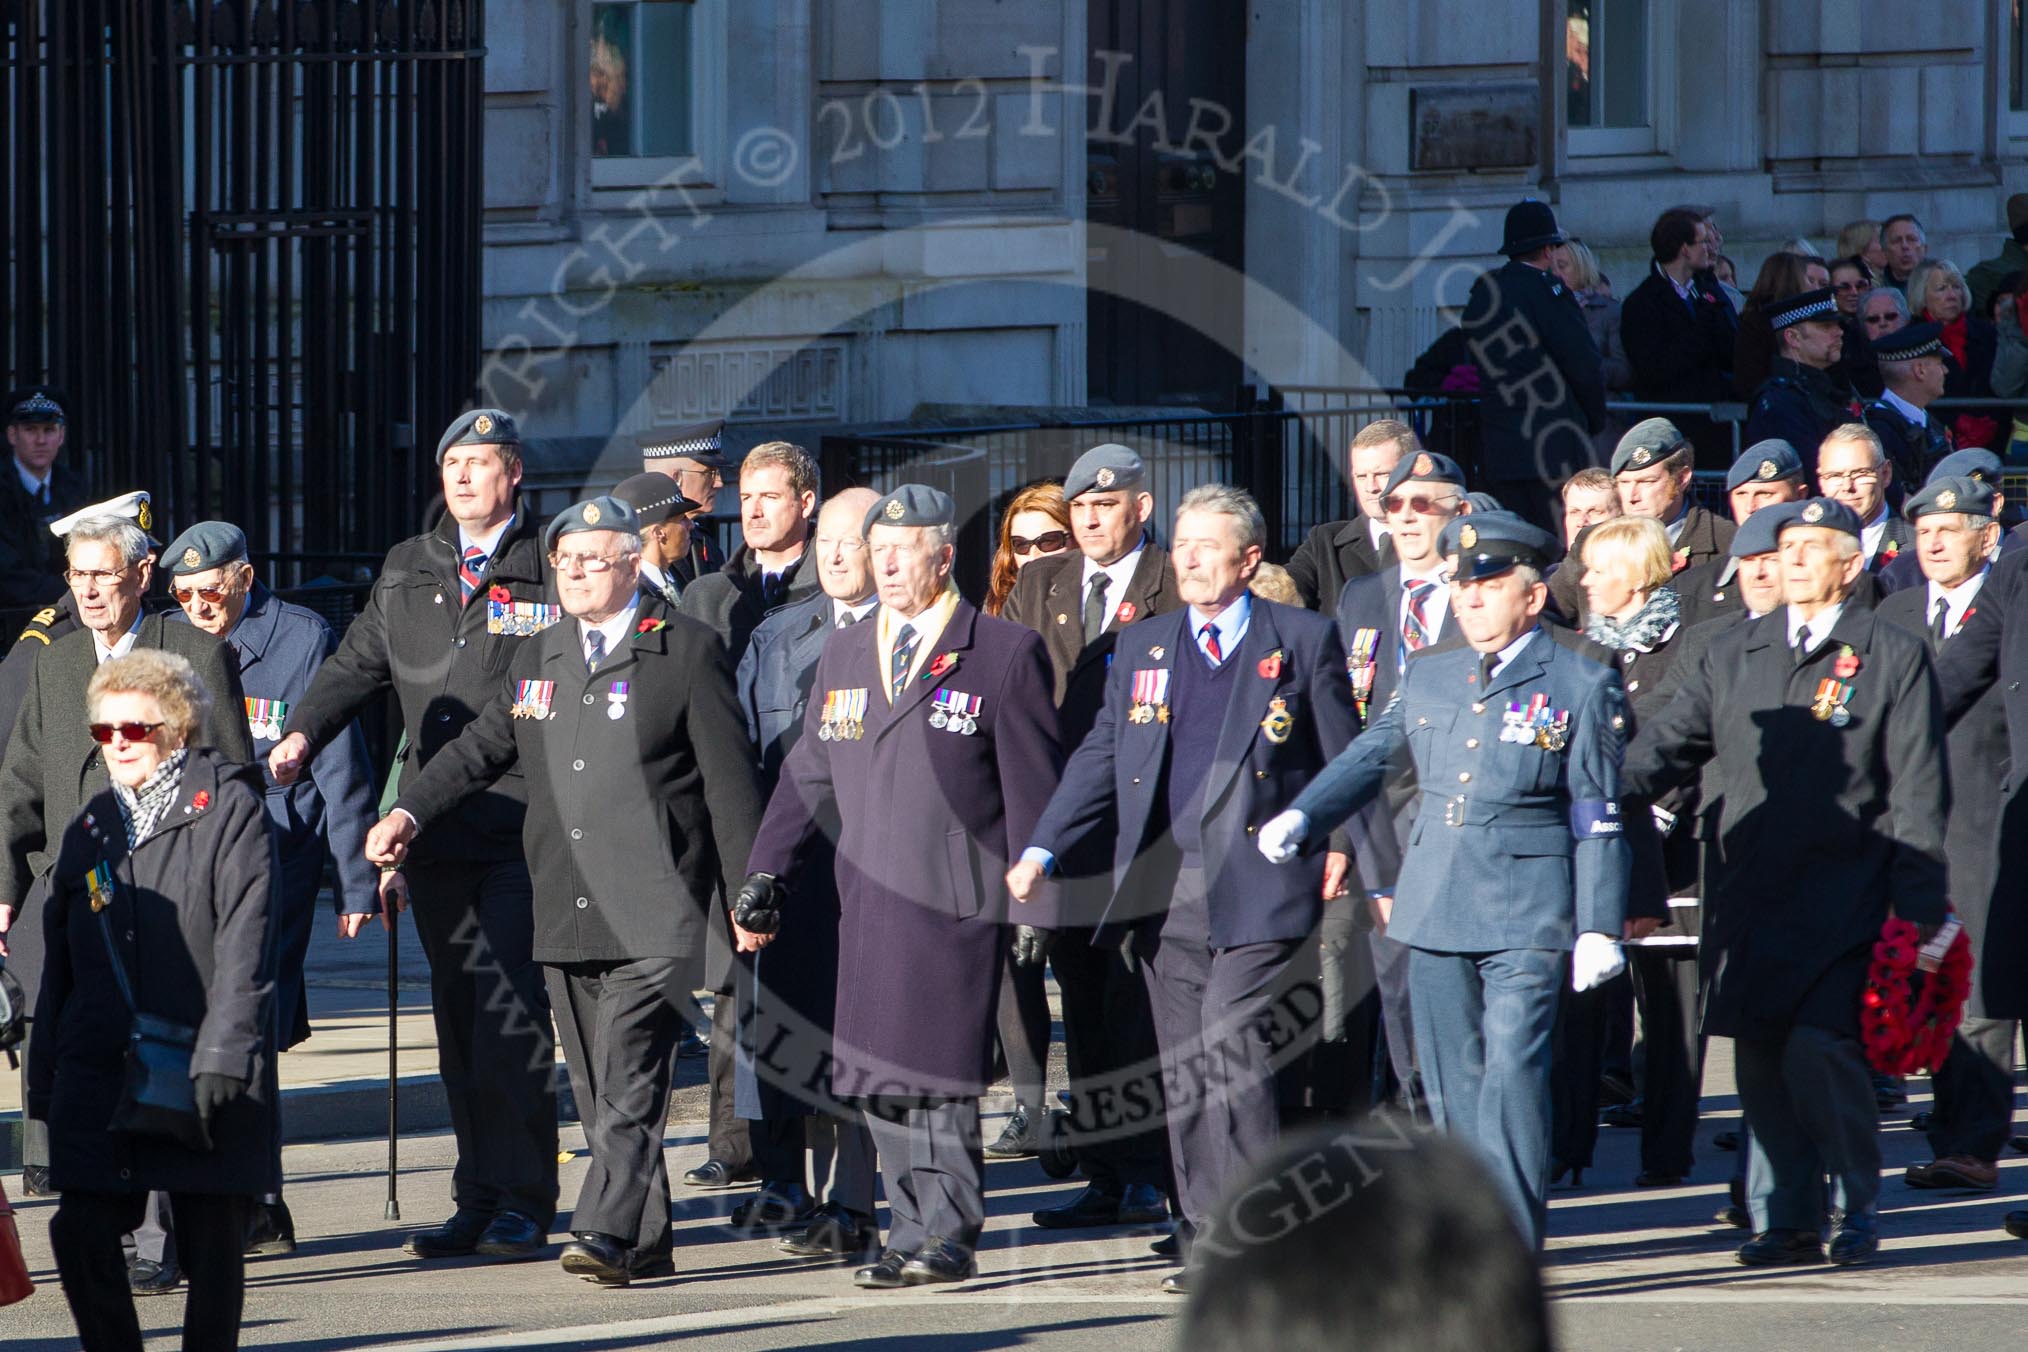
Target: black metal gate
[{"x": 243, "y": 236}]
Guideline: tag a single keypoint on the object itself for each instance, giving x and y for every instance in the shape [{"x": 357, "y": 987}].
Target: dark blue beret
[
  {"x": 1826, "y": 512},
  {"x": 600, "y": 513},
  {"x": 206, "y": 545},
  {"x": 480, "y": 427},
  {"x": 1761, "y": 532},
  {"x": 1766, "y": 462},
  {"x": 1427, "y": 466}
]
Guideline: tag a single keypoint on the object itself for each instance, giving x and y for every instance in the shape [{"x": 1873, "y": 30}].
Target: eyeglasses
[
  {"x": 209, "y": 595},
  {"x": 846, "y": 544},
  {"x": 1049, "y": 542},
  {"x": 1848, "y": 286},
  {"x": 94, "y": 577},
  {"x": 1420, "y": 504},
  {"x": 712, "y": 476},
  {"x": 103, "y": 733},
  {"x": 588, "y": 563},
  {"x": 1858, "y": 478}
]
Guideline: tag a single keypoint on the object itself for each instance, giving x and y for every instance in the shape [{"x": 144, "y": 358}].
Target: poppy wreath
[{"x": 1905, "y": 1029}]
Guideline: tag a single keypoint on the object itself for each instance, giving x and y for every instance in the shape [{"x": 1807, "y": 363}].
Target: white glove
[
  {"x": 1596, "y": 960},
  {"x": 1281, "y": 838}
]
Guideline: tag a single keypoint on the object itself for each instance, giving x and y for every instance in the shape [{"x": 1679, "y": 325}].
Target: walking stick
[{"x": 392, "y": 1211}]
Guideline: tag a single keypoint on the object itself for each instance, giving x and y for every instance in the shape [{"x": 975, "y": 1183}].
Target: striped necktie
[
  {"x": 594, "y": 650},
  {"x": 898, "y": 665},
  {"x": 1208, "y": 636},
  {"x": 1414, "y": 624},
  {"x": 469, "y": 569}
]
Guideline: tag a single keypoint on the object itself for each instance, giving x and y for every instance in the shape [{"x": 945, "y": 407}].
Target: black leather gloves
[
  {"x": 758, "y": 907},
  {"x": 1031, "y": 945}
]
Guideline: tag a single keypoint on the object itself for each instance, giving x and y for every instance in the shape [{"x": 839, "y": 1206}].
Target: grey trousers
[
  {"x": 842, "y": 1159},
  {"x": 935, "y": 1168},
  {"x": 1808, "y": 1098}
]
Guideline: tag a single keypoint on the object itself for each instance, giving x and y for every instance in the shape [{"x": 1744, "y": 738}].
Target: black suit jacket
[
  {"x": 31, "y": 559},
  {"x": 729, "y": 602},
  {"x": 1332, "y": 555},
  {"x": 1048, "y": 598}
]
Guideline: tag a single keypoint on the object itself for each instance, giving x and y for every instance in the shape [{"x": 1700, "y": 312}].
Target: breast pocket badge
[{"x": 1279, "y": 722}]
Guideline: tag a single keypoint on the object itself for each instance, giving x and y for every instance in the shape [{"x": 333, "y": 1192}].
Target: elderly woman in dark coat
[{"x": 168, "y": 872}]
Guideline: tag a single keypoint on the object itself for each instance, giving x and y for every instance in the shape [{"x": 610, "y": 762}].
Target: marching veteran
[
  {"x": 1827, "y": 727},
  {"x": 1515, "y": 877},
  {"x": 932, "y": 736},
  {"x": 642, "y": 799},
  {"x": 1213, "y": 714}
]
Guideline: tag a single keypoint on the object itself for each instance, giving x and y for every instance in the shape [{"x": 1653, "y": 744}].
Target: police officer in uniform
[
  {"x": 1515, "y": 881},
  {"x": 1956, "y": 536},
  {"x": 949, "y": 712},
  {"x": 1080, "y": 601},
  {"x": 1912, "y": 362},
  {"x": 1827, "y": 728},
  {"x": 36, "y": 489},
  {"x": 661, "y": 511},
  {"x": 1803, "y": 399},
  {"x": 642, "y": 803},
  {"x": 1213, "y": 714},
  {"x": 323, "y": 815},
  {"x": 1544, "y": 388},
  {"x": 1765, "y": 474},
  {"x": 442, "y": 625},
  {"x": 694, "y": 456}
]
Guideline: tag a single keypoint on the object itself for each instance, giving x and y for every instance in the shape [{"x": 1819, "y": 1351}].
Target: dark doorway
[{"x": 1168, "y": 105}]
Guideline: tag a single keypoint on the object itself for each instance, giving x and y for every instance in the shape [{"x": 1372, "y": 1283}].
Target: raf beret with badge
[
  {"x": 703, "y": 442},
  {"x": 480, "y": 427},
  {"x": 1761, "y": 532},
  {"x": 1426, "y": 466},
  {"x": 1487, "y": 544},
  {"x": 136, "y": 507},
  {"x": 1104, "y": 469},
  {"x": 1826, "y": 512},
  {"x": 600, "y": 513},
  {"x": 1648, "y": 442},
  {"x": 1973, "y": 462},
  {"x": 1766, "y": 462},
  {"x": 1954, "y": 494},
  {"x": 205, "y": 546},
  {"x": 913, "y": 505}
]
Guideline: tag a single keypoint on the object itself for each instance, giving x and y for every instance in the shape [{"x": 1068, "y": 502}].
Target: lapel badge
[
  {"x": 1127, "y": 612},
  {"x": 1279, "y": 722},
  {"x": 1157, "y": 652}
]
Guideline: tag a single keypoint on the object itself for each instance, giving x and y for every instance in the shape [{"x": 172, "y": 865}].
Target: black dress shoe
[
  {"x": 2016, "y": 1224},
  {"x": 1622, "y": 1115},
  {"x": 145, "y": 1277},
  {"x": 512, "y": 1237},
  {"x": 1017, "y": 1140},
  {"x": 1921, "y": 1121},
  {"x": 1093, "y": 1205},
  {"x": 1177, "y": 1283},
  {"x": 1889, "y": 1092},
  {"x": 271, "y": 1231},
  {"x": 597, "y": 1258},
  {"x": 1726, "y": 1140},
  {"x": 2018, "y": 1144},
  {"x": 1143, "y": 1204},
  {"x": 1854, "y": 1240},
  {"x": 883, "y": 1273},
  {"x": 1655, "y": 1178},
  {"x": 651, "y": 1263},
  {"x": 455, "y": 1238},
  {"x": 938, "y": 1260},
  {"x": 833, "y": 1232},
  {"x": 1781, "y": 1248},
  {"x": 1175, "y": 1244},
  {"x": 778, "y": 1208},
  {"x": 717, "y": 1174},
  {"x": 1734, "y": 1215},
  {"x": 35, "y": 1181}
]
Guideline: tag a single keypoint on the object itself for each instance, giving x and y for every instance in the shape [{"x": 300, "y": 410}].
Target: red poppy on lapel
[
  {"x": 1127, "y": 612},
  {"x": 1847, "y": 665},
  {"x": 651, "y": 626},
  {"x": 1679, "y": 561},
  {"x": 1271, "y": 665},
  {"x": 945, "y": 664},
  {"x": 202, "y": 800},
  {"x": 499, "y": 593}
]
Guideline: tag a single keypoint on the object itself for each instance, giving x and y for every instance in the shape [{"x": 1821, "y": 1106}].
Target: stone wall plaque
[{"x": 1481, "y": 126}]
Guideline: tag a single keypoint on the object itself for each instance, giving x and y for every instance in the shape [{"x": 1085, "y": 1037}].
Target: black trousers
[
  {"x": 1024, "y": 1030},
  {"x": 729, "y": 1142},
  {"x": 85, "y": 1236},
  {"x": 1975, "y": 1091},
  {"x": 619, "y": 1022},
  {"x": 1665, "y": 987},
  {"x": 495, "y": 1050},
  {"x": 1115, "y": 1067},
  {"x": 1577, "y": 1048}
]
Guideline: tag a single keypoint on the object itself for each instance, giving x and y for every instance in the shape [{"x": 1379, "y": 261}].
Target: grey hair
[
  {"x": 630, "y": 541},
  {"x": 1233, "y": 502},
  {"x": 1847, "y": 545},
  {"x": 1858, "y": 434},
  {"x": 1529, "y": 574},
  {"x": 123, "y": 535},
  {"x": 167, "y": 677},
  {"x": 1900, "y": 301}
]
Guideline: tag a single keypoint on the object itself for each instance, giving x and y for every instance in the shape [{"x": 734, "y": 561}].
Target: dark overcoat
[
  {"x": 1119, "y": 773},
  {"x": 1332, "y": 555},
  {"x": 729, "y": 602},
  {"x": 928, "y": 822},
  {"x": 1543, "y": 384},
  {"x": 641, "y": 789},
  {"x": 443, "y": 660},
  {"x": 189, "y": 913},
  {"x": 1823, "y": 830}
]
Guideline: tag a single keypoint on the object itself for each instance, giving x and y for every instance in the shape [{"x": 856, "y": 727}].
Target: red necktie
[
  {"x": 469, "y": 569},
  {"x": 1211, "y": 649}
]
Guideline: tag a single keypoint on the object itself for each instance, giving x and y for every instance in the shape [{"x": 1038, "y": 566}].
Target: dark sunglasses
[
  {"x": 1049, "y": 542},
  {"x": 1420, "y": 504},
  {"x": 102, "y": 733},
  {"x": 212, "y": 595}
]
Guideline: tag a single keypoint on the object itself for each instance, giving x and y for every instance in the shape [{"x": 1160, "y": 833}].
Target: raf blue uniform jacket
[
  {"x": 280, "y": 647},
  {"x": 1514, "y": 846},
  {"x": 1120, "y": 764}
]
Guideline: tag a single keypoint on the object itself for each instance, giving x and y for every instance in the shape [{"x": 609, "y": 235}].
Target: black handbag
[{"x": 158, "y": 1098}]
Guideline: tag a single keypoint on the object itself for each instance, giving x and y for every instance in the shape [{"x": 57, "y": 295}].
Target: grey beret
[
  {"x": 480, "y": 427},
  {"x": 1104, "y": 468},
  {"x": 1765, "y": 462},
  {"x": 913, "y": 505},
  {"x": 1648, "y": 442},
  {"x": 1761, "y": 532},
  {"x": 206, "y": 545},
  {"x": 600, "y": 513},
  {"x": 1951, "y": 494},
  {"x": 1973, "y": 462}
]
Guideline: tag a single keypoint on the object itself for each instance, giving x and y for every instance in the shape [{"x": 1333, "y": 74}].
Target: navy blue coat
[
  {"x": 927, "y": 823},
  {"x": 1119, "y": 769},
  {"x": 1499, "y": 856},
  {"x": 1544, "y": 386}
]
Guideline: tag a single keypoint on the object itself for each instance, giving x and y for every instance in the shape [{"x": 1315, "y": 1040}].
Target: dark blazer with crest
[
  {"x": 927, "y": 821},
  {"x": 1121, "y": 769},
  {"x": 1048, "y": 598}
]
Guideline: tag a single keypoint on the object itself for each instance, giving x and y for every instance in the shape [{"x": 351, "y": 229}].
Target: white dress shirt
[
  {"x": 1958, "y": 600},
  {"x": 617, "y": 630},
  {"x": 1119, "y": 575},
  {"x": 122, "y": 645},
  {"x": 1820, "y": 626}
]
